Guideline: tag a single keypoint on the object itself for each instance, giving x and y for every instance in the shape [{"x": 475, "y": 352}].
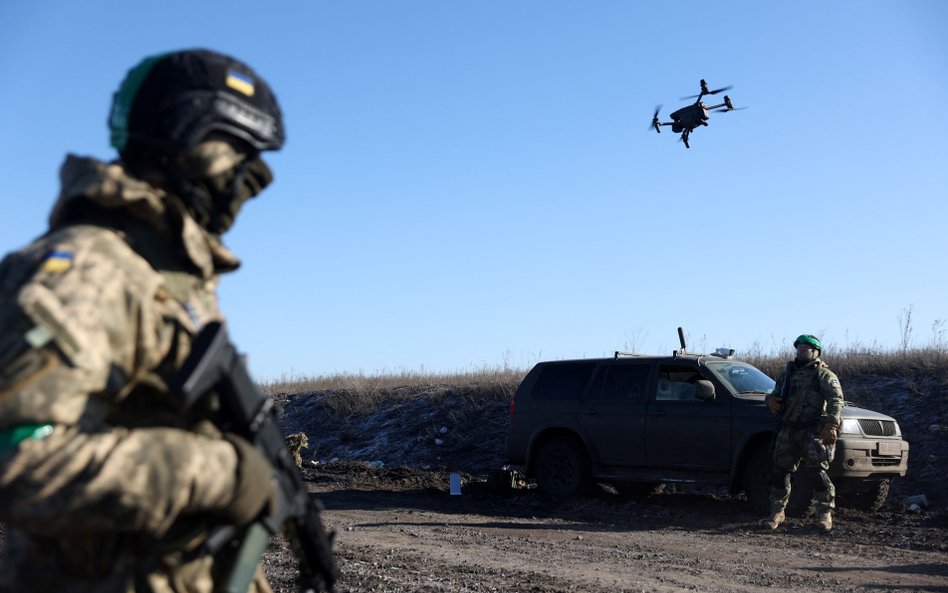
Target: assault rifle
[
  {"x": 215, "y": 367},
  {"x": 784, "y": 392}
]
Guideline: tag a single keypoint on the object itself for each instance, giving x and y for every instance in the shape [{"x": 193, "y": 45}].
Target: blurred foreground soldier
[
  {"x": 105, "y": 484},
  {"x": 807, "y": 399}
]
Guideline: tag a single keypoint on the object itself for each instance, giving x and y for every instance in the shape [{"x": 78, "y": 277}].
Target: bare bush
[{"x": 932, "y": 361}]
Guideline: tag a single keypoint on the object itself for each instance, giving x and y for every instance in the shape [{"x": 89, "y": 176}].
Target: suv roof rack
[{"x": 726, "y": 353}]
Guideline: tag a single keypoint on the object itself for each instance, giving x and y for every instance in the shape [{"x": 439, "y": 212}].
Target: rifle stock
[{"x": 214, "y": 366}]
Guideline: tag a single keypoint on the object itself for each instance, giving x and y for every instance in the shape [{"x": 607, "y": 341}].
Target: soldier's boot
[
  {"x": 826, "y": 521},
  {"x": 776, "y": 519}
]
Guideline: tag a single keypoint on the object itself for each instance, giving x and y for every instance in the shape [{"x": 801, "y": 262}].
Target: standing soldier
[
  {"x": 808, "y": 400},
  {"x": 104, "y": 484}
]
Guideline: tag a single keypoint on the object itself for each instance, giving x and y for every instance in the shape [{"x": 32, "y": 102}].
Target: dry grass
[
  {"x": 358, "y": 393},
  {"x": 349, "y": 393},
  {"x": 932, "y": 361}
]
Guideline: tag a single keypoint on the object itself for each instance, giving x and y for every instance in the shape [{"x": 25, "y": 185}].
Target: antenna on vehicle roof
[{"x": 681, "y": 338}]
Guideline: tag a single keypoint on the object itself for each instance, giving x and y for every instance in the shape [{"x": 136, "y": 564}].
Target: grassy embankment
[
  {"x": 910, "y": 384},
  {"x": 360, "y": 393}
]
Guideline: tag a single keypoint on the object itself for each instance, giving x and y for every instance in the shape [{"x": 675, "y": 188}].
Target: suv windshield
[{"x": 741, "y": 377}]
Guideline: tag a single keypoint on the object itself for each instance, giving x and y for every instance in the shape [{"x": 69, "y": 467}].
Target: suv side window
[
  {"x": 676, "y": 383},
  {"x": 563, "y": 381},
  {"x": 627, "y": 382}
]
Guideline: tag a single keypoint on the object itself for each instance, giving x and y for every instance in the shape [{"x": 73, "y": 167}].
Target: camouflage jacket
[
  {"x": 814, "y": 396},
  {"x": 96, "y": 316}
]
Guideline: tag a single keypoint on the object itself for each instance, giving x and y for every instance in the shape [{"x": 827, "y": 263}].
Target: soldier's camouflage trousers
[{"x": 793, "y": 446}]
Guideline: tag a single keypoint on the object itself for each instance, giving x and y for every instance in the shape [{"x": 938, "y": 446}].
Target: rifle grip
[{"x": 252, "y": 546}]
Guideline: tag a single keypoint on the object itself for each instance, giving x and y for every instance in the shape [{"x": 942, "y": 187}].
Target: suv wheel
[
  {"x": 562, "y": 467},
  {"x": 756, "y": 483},
  {"x": 756, "y": 479},
  {"x": 801, "y": 496},
  {"x": 869, "y": 497}
]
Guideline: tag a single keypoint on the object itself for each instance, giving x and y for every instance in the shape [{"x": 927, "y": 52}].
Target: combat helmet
[
  {"x": 194, "y": 123},
  {"x": 809, "y": 339},
  {"x": 173, "y": 100}
]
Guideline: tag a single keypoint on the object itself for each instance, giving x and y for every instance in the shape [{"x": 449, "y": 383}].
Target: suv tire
[
  {"x": 756, "y": 483},
  {"x": 562, "y": 467},
  {"x": 870, "y": 497},
  {"x": 801, "y": 497},
  {"x": 756, "y": 479}
]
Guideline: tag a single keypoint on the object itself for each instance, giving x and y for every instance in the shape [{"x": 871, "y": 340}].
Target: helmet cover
[
  {"x": 809, "y": 339},
  {"x": 174, "y": 100}
]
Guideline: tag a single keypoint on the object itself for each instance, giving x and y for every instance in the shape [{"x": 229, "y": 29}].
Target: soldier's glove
[
  {"x": 774, "y": 405},
  {"x": 256, "y": 490},
  {"x": 829, "y": 434}
]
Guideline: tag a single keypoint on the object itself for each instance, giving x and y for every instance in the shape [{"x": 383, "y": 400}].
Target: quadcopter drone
[{"x": 686, "y": 119}]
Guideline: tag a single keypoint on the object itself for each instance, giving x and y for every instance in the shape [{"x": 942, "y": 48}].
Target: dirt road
[{"x": 399, "y": 530}]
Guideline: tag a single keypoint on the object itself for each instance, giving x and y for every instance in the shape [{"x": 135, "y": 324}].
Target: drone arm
[{"x": 728, "y": 106}]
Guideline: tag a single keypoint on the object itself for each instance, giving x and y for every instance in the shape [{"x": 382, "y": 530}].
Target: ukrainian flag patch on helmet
[
  {"x": 58, "y": 261},
  {"x": 240, "y": 82}
]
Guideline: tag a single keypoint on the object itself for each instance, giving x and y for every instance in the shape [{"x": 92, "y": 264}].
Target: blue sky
[{"x": 468, "y": 184}]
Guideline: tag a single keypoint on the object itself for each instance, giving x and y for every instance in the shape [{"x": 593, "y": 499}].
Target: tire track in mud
[{"x": 398, "y": 530}]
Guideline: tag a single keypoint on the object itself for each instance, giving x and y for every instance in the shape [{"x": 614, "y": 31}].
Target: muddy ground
[{"x": 399, "y": 530}]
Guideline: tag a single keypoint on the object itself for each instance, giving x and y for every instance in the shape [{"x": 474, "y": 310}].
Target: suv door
[
  {"x": 613, "y": 413},
  {"x": 682, "y": 431}
]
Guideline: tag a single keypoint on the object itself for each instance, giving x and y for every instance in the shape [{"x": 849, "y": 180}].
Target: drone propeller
[
  {"x": 714, "y": 92},
  {"x": 655, "y": 123}
]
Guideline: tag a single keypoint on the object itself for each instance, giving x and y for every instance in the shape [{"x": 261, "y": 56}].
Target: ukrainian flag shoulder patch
[
  {"x": 240, "y": 82},
  {"x": 57, "y": 261}
]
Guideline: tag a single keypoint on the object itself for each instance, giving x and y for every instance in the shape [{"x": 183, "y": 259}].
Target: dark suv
[{"x": 640, "y": 421}]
